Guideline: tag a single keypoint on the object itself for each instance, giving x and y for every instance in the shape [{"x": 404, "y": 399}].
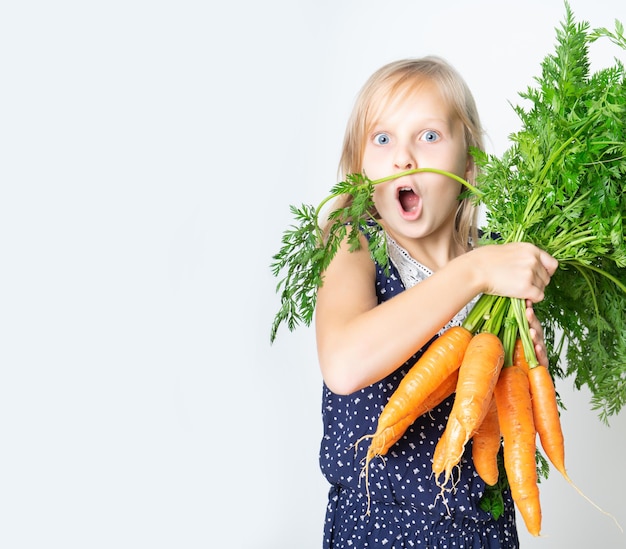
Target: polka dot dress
[{"x": 407, "y": 508}]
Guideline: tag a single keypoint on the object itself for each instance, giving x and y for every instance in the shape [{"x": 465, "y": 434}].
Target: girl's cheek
[
  {"x": 368, "y": 163},
  {"x": 382, "y": 195},
  {"x": 376, "y": 158},
  {"x": 378, "y": 197}
]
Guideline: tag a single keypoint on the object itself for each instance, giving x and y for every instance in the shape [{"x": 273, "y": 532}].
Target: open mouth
[{"x": 408, "y": 199}]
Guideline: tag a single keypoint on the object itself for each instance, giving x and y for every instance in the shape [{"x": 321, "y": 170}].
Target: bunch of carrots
[{"x": 496, "y": 402}]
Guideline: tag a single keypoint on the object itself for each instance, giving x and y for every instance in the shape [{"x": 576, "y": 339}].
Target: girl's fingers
[
  {"x": 543, "y": 266},
  {"x": 540, "y": 349},
  {"x": 542, "y": 355},
  {"x": 550, "y": 264},
  {"x": 536, "y": 333}
]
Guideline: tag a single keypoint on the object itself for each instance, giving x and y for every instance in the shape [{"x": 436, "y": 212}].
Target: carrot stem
[
  {"x": 480, "y": 313},
  {"x": 519, "y": 309},
  {"x": 496, "y": 316},
  {"x": 509, "y": 336}
]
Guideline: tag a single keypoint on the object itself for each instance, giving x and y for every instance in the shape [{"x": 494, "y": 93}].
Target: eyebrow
[{"x": 449, "y": 124}]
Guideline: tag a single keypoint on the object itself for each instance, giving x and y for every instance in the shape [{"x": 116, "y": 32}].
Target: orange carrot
[
  {"x": 519, "y": 358},
  {"x": 385, "y": 439},
  {"x": 546, "y": 415},
  {"x": 547, "y": 419},
  {"x": 486, "y": 444},
  {"x": 440, "y": 393},
  {"x": 515, "y": 413},
  {"x": 478, "y": 374},
  {"x": 412, "y": 397}
]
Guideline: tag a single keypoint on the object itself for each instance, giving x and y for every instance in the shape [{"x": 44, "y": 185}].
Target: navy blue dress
[{"x": 407, "y": 508}]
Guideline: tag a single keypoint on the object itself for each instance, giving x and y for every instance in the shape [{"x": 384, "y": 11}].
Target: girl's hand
[
  {"x": 517, "y": 269},
  {"x": 536, "y": 333}
]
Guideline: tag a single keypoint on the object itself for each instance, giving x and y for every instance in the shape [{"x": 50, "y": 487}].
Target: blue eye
[
  {"x": 430, "y": 136},
  {"x": 381, "y": 139}
]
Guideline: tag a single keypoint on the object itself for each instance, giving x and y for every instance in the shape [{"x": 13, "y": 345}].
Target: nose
[{"x": 404, "y": 159}]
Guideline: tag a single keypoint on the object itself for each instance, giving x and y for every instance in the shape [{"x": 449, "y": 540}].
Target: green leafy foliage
[
  {"x": 543, "y": 467},
  {"x": 306, "y": 250},
  {"x": 561, "y": 185}
]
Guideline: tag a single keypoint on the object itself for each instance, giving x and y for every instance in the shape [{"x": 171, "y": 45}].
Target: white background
[{"x": 149, "y": 152}]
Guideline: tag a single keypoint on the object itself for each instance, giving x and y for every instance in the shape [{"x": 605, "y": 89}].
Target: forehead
[{"x": 423, "y": 92}]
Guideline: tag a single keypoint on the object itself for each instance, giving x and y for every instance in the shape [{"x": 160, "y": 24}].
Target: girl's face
[{"x": 418, "y": 131}]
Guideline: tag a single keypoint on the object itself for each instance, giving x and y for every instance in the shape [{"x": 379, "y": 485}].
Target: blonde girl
[{"x": 371, "y": 326}]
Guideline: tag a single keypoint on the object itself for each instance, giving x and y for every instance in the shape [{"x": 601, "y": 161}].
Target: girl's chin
[{"x": 401, "y": 229}]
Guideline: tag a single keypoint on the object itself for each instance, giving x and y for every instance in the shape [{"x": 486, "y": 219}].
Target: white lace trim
[{"x": 411, "y": 272}]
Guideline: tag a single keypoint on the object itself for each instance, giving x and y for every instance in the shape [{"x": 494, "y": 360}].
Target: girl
[{"x": 371, "y": 327}]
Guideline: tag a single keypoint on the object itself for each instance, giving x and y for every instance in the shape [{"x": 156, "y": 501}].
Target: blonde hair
[{"x": 397, "y": 80}]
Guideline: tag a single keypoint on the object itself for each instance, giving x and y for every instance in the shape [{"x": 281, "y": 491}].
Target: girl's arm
[{"x": 359, "y": 342}]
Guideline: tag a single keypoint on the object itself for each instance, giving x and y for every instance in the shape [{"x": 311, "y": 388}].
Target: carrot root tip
[{"x": 569, "y": 480}]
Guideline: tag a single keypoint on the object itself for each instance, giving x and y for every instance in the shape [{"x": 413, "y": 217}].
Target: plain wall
[{"x": 149, "y": 155}]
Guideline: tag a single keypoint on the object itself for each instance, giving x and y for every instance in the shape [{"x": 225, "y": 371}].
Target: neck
[{"x": 433, "y": 252}]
